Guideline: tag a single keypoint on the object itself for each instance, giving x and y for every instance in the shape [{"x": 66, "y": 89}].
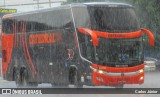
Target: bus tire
[
  {"x": 24, "y": 78},
  {"x": 77, "y": 81},
  {"x": 21, "y": 78},
  {"x": 17, "y": 79}
]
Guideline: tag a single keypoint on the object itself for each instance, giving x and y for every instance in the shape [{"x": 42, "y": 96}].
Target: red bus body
[{"x": 74, "y": 44}]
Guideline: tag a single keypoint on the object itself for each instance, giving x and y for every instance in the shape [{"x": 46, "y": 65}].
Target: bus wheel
[
  {"x": 17, "y": 79},
  {"x": 24, "y": 78},
  {"x": 77, "y": 82},
  {"x": 21, "y": 78}
]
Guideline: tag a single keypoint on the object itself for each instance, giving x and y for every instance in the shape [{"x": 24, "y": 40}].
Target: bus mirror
[
  {"x": 150, "y": 35},
  {"x": 87, "y": 31}
]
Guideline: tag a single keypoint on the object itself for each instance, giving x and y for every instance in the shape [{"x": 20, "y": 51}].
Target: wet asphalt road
[{"x": 152, "y": 80}]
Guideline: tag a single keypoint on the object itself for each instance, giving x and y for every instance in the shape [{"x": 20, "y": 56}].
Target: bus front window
[
  {"x": 113, "y": 52},
  {"x": 113, "y": 19},
  {"x": 119, "y": 52}
]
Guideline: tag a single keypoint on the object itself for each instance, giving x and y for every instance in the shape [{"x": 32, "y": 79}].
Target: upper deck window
[
  {"x": 113, "y": 19},
  {"x": 7, "y": 26}
]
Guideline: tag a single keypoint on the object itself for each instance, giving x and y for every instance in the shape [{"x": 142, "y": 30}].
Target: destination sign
[{"x": 7, "y": 10}]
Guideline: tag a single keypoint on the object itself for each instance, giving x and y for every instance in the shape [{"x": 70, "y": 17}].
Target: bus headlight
[
  {"x": 100, "y": 71},
  {"x": 141, "y": 78},
  {"x": 96, "y": 70},
  {"x": 141, "y": 71}
]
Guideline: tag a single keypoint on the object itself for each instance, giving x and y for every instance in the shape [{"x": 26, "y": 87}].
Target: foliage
[{"x": 149, "y": 13}]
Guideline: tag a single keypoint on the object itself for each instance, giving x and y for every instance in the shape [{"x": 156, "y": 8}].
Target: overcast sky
[{"x": 27, "y": 7}]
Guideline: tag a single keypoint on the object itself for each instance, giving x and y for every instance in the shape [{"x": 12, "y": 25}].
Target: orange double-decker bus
[{"x": 79, "y": 44}]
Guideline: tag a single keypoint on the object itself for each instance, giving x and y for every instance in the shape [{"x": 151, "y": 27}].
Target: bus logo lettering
[
  {"x": 43, "y": 38},
  {"x": 116, "y": 35}
]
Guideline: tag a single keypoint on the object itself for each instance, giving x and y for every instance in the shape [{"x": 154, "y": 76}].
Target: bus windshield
[
  {"x": 113, "y": 19},
  {"x": 119, "y": 52},
  {"x": 112, "y": 52}
]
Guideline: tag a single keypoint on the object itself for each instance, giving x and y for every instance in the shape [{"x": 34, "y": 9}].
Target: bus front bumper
[{"x": 103, "y": 79}]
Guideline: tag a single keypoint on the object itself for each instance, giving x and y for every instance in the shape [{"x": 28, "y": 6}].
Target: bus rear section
[
  {"x": 111, "y": 42},
  {"x": 35, "y": 47}
]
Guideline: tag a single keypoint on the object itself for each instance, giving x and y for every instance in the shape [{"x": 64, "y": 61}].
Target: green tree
[{"x": 149, "y": 13}]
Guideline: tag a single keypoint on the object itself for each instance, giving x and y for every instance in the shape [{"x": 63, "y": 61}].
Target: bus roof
[{"x": 107, "y": 4}]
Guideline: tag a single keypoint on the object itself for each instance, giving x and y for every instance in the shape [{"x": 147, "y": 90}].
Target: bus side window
[
  {"x": 8, "y": 26},
  {"x": 19, "y": 26},
  {"x": 29, "y": 27}
]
